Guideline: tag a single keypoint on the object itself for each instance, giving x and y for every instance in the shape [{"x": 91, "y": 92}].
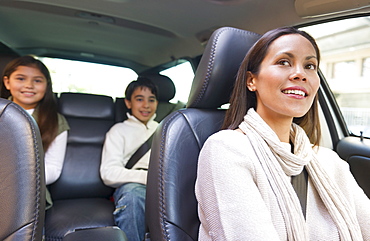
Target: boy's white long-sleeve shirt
[{"x": 121, "y": 142}]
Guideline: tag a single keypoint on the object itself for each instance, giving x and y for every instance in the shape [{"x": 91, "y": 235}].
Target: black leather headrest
[
  {"x": 86, "y": 105},
  {"x": 166, "y": 88},
  {"x": 216, "y": 73}
]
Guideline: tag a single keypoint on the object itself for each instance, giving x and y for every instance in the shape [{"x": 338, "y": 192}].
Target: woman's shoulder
[
  {"x": 227, "y": 146},
  {"x": 228, "y": 139},
  {"x": 226, "y": 135}
]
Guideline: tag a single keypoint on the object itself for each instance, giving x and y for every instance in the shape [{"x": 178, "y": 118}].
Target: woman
[
  {"x": 27, "y": 82},
  {"x": 244, "y": 185}
]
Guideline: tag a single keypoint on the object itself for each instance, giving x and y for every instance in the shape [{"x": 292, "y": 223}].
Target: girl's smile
[{"x": 27, "y": 86}]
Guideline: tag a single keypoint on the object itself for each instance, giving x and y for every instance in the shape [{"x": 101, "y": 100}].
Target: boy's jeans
[{"x": 130, "y": 210}]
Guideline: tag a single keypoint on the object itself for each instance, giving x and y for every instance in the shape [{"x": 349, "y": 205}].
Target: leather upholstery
[
  {"x": 81, "y": 200},
  {"x": 171, "y": 206},
  {"x": 166, "y": 92},
  {"x": 22, "y": 188},
  {"x": 97, "y": 234}
]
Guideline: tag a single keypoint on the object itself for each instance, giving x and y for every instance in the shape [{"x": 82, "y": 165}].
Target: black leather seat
[
  {"x": 22, "y": 185},
  {"x": 171, "y": 206},
  {"x": 166, "y": 92},
  {"x": 97, "y": 234},
  {"x": 81, "y": 200}
]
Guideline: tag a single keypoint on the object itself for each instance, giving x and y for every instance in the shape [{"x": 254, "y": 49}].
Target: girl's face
[
  {"x": 27, "y": 86},
  {"x": 287, "y": 81},
  {"x": 143, "y": 104}
]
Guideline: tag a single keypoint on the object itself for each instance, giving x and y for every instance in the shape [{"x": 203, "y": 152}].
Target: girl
[
  {"x": 244, "y": 178},
  {"x": 27, "y": 82}
]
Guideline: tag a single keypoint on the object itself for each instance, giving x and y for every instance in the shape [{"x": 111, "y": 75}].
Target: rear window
[{"x": 84, "y": 77}]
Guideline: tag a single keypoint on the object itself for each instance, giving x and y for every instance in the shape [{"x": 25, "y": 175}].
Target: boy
[{"x": 121, "y": 142}]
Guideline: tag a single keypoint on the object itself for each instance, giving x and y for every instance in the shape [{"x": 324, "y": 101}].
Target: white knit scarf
[{"x": 278, "y": 163}]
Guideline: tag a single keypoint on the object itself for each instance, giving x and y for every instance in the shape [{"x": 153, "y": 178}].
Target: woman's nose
[{"x": 298, "y": 74}]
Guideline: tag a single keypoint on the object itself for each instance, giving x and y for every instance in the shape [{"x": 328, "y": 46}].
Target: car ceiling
[{"x": 139, "y": 34}]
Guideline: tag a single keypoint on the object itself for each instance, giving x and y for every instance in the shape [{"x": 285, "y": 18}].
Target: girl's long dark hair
[
  {"x": 47, "y": 118},
  {"x": 242, "y": 99}
]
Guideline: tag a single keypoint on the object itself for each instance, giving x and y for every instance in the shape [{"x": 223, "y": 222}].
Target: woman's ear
[
  {"x": 128, "y": 104},
  {"x": 251, "y": 82}
]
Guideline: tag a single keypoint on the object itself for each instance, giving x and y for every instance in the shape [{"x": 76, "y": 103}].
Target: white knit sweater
[
  {"x": 121, "y": 142},
  {"x": 236, "y": 201}
]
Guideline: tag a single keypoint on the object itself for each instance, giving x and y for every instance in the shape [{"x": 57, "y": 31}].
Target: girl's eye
[
  {"x": 38, "y": 80},
  {"x": 20, "y": 78}
]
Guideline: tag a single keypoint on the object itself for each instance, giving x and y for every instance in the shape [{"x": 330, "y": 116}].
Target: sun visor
[{"x": 315, "y": 8}]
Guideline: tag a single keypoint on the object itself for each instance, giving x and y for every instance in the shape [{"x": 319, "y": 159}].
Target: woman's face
[
  {"x": 287, "y": 81},
  {"x": 27, "y": 86}
]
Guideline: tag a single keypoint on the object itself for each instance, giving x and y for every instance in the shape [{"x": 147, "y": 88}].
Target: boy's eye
[{"x": 152, "y": 100}]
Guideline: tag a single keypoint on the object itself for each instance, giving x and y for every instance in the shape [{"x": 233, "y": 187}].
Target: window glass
[
  {"x": 366, "y": 68},
  {"x": 345, "y": 62},
  {"x": 343, "y": 70},
  {"x": 182, "y": 76},
  {"x": 84, "y": 77}
]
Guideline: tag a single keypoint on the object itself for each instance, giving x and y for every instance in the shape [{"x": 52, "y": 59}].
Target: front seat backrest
[
  {"x": 171, "y": 206},
  {"x": 22, "y": 185}
]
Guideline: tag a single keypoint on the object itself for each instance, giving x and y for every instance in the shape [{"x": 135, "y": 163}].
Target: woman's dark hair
[
  {"x": 47, "y": 118},
  {"x": 141, "y": 82},
  {"x": 251, "y": 63}
]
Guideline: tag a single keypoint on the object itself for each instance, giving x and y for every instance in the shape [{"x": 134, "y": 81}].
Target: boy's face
[{"x": 143, "y": 104}]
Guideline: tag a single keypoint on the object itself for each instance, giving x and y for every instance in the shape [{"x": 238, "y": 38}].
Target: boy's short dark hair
[{"x": 141, "y": 82}]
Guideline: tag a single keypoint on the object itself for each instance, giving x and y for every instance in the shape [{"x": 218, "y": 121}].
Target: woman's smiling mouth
[{"x": 295, "y": 92}]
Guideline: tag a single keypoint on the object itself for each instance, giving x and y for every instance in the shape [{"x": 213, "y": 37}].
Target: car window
[
  {"x": 85, "y": 77},
  {"x": 182, "y": 76},
  {"x": 345, "y": 63}
]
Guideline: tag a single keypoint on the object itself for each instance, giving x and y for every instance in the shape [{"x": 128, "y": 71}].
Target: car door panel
[{"x": 356, "y": 151}]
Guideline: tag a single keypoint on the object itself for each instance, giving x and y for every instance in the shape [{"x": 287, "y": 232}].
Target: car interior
[{"x": 152, "y": 38}]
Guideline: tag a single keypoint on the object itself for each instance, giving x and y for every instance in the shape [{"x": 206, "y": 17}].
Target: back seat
[{"x": 81, "y": 200}]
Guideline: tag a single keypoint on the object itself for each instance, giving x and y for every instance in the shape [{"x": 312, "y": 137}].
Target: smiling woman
[{"x": 297, "y": 187}]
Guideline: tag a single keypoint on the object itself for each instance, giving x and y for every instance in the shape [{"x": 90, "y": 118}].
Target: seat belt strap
[
  {"x": 300, "y": 183},
  {"x": 139, "y": 153}
]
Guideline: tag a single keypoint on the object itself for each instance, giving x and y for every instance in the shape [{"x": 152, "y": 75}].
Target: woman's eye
[
  {"x": 284, "y": 62},
  {"x": 311, "y": 66}
]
